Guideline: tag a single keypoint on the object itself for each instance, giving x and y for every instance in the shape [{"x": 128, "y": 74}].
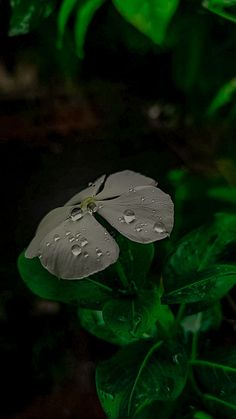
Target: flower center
[{"x": 89, "y": 204}]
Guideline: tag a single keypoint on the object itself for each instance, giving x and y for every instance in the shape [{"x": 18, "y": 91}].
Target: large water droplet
[
  {"x": 68, "y": 233},
  {"x": 83, "y": 241},
  {"x": 76, "y": 250},
  {"x": 159, "y": 228},
  {"x": 86, "y": 255},
  {"x": 129, "y": 216},
  {"x": 76, "y": 214},
  {"x": 56, "y": 237},
  {"x": 99, "y": 252},
  {"x": 92, "y": 207}
]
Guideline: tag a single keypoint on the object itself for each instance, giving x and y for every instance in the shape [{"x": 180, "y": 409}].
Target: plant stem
[{"x": 121, "y": 273}]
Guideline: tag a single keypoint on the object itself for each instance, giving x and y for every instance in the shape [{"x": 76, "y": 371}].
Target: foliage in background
[{"x": 199, "y": 35}]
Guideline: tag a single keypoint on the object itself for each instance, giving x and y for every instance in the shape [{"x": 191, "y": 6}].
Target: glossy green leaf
[
  {"x": 85, "y": 12},
  {"x": 221, "y": 8},
  {"x": 216, "y": 377},
  {"x": 85, "y": 292},
  {"x": 93, "y": 322},
  {"x": 202, "y": 267},
  {"x": 27, "y": 14},
  {"x": 223, "y": 96},
  {"x": 133, "y": 318},
  {"x": 64, "y": 13},
  {"x": 151, "y": 17},
  {"x": 139, "y": 374}
]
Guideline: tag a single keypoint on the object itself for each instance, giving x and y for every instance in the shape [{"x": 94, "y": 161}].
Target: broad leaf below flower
[
  {"x": 139, "y": 374},
  {"x": 202, "y": 268}
]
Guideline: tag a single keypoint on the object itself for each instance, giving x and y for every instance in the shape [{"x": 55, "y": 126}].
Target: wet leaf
[
  {"x": 216, "y": 377},
  {"x": 139, "y": 374},
  {"x": 202, "y": 267}
]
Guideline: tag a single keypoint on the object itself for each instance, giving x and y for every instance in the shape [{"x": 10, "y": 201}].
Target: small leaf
[
  {"x": 216, "y": 377},
  {"x": 64, "y": 13},
  {"x": 139, "y": 374},
  {"x": 93, "y": 322},
  {"x": 151, "y": 17},
  {"x": 133, "y": 318},
  {"x": 84, "y": 292},
  {"x": 84, "y": 15},
  {"x": 27, "y": 15},
  {"x": 202, "y": 268}
]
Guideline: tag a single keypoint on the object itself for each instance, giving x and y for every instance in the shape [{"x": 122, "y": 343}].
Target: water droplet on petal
[
  {"x": 99, "y": 252},
  {"x": 71, "y": 239},
  {"x": 121, "y": 219},
  {"x": 138, "y": 228},
  {"x": 90, "y": 184},
  {"x": 76, "y": 250},
  {"x": 68, "y": 233},
  {"x": 92, "y": 207},
  {"x": 108, "y": 253},
  {"x": 142, "y": 199},
  {"x": 86, "y": 254},
  {"x": 56, "y": 237},
  {"x": 159, "y": 228},
  {"x": 76, "y": 214},
  {"x": 83, "y": 241},
  {"x": 48, "y": 244},
  {"x": 129, "y": 216}
]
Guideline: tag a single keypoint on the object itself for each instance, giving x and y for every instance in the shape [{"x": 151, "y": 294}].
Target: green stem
[
  {"x": 121, "y": 273},
  {"x": 180, "y": 314}
]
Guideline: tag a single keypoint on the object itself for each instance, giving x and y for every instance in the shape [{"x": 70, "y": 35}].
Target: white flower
[{"x": 71, "y": 243}]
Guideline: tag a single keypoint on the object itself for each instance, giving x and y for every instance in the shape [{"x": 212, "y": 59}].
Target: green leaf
[
  {"x": 92, "y": 321},
  {"x": 85, "y": 292},
  {"x": 150, "y": 17},
  {"x": 202, "y": 268},
  {"x": 216, "y": 377},
  {"x": 135, "y": 258},
  {"x": 135, "y": 317},
  {"x": 222, "y": 98},
  {"x": 64, "y": 13},
  {"x": 84, "y": 15},
  {"x": 222, "y": 8},
  {"x": 27, "y": 14},
  {"x": 139, "y": 374}
]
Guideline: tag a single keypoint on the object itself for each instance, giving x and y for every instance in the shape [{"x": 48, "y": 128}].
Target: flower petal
[
  {"x": 76, "y": 249},
  {"x": 88, "y": 192},
  {"x": 122, "y": 182},
  {"x": 143, "y": 216},
  {"x": 48, "y": 223}
]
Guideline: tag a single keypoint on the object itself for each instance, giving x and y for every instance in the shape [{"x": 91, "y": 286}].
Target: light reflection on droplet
[{"x": 129, "y": 216}]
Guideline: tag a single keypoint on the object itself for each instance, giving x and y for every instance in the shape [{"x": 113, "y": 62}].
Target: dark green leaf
[
  {"x": 216, "y": 377},
  {"x": 135, "y": 258},
  {"x": 202, "y": 268},
  {"x": 85, "y": 292},
  {"x": 151, "y": 17},
  {"x": 135, "y": 318},
  {"x": 64, "y": 13},
  {"x": 139, "y": 374},
  {"x": 27, "y": 14},
  {"x": 93, "y": 322}
]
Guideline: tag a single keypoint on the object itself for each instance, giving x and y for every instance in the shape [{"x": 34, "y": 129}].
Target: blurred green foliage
[{"x": 199, "y": 36}]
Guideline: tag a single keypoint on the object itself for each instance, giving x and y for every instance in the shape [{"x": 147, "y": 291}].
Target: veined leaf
[
  {"x": 84, "y": 15},
  {"x": 84, "y": 292},
  {"x": 151, "y": 17},
  {"x": 139, "y": 374},
  {"x": 216, "y": 377},
  {"x": 202, "y": 268},
  {"x": 27, "y": 14},
  {"x": 135, "y": 318}
]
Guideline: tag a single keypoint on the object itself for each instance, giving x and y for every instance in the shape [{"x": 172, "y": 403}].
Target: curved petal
[
  {"x": 48, "y": 223},
  {"x": 85, "y": 193},
  {"x": 76, "y": 249},
  {"x": 122, "y": 182},
  {"x": 143, "y": 216}
]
